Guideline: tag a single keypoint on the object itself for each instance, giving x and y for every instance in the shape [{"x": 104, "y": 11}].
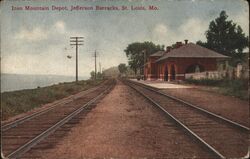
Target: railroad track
[
  {"x": 8, "y": 125},
  {"x": 222, "y": 137},
  {"x": 20, "y": 136}
]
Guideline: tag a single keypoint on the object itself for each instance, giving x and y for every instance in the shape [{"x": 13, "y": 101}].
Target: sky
[{"x": 37, "y": 42}]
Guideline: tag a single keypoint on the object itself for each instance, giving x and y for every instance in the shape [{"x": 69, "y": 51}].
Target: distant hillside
[{"x": 111, "y": 72}]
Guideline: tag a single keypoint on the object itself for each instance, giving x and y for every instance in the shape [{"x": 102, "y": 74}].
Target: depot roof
[
  {"x": 158, "y": 54},
  {"x": 191, "y": 50}
]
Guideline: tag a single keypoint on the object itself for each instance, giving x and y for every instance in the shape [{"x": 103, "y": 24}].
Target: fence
[
  {"x": 207, "y": 75},
  {"x": 231, "y": 73}
]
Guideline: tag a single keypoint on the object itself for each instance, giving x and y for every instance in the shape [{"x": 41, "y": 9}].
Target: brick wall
[{"x": 176, "y": 68}]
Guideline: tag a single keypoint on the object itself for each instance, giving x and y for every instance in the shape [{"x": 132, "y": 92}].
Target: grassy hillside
[{"x": 17, "y": 102}]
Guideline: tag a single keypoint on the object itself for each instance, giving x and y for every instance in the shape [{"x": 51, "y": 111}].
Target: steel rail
[
  {"x": 27, "y": 146},
  {"x": 245, "y": 128},
  {"x": 217, "y": 153},
  {"x": 31, "y": 116},
  {"x": 12, "y": 124}
]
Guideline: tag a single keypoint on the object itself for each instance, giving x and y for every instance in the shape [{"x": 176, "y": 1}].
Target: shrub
[
  {"x": 204, "y": 81},
  {"x": 232, "y": 87}
]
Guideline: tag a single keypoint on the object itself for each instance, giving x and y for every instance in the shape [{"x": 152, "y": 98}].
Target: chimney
[
  {"x": 186, "y": 42},
  {"x": 168, "y": 48},
  {"x": 178, "y": 44}
]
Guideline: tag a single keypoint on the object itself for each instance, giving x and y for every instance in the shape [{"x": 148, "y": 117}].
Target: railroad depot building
[{"x": 174, "y": 63}]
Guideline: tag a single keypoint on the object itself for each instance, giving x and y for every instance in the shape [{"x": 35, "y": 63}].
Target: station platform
[{"x": 161, "y": 84}]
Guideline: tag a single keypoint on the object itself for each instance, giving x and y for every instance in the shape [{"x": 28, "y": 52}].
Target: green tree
[
  {"x": 122, "y": 68},
  {"x": 99, "y": 75},
  {"x": 225, "y": 36},
  {"x": 92, "y": 75},
  {"x": 135, "y": 53}
]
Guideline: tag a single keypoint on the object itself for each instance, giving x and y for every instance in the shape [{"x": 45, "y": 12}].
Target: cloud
[
  {"x": 60, "y": 26},
  {"x": 40, "y": 33},
  {"x": 242, "y": 19},
  {"x": 44, "y": 50},
  {"x": 160, "y": 29},
  {"x": 161, "y": 33},
  {"x": 54, "y": 61},
  {"x": 192, "y": 29},
  {"x": 36, "y": 34}
]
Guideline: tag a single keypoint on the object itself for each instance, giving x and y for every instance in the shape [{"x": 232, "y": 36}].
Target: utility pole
[
  {"x": 95, "y": 63},
  {"x": 145, "y": 58},
  {"x": 144, "y": 62},
  {"x": 76, "y": 41}
]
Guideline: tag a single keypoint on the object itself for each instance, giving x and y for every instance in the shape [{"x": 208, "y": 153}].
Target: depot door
[
  {"x": 172, "y": 72},
  {"x": 166, "y": 74}
]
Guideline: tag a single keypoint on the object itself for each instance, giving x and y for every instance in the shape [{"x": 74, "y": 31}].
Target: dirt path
[
  {"x": 229, "y": 107},
  {"x": 124, "y": 125}
]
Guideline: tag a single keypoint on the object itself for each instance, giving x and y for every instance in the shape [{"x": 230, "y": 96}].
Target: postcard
[{"x": 124, "y": 78}]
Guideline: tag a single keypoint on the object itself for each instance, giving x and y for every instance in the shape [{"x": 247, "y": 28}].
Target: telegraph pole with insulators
[
  {"x": 76, "y": 41},
  {"x": 95, "y": 55}
]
